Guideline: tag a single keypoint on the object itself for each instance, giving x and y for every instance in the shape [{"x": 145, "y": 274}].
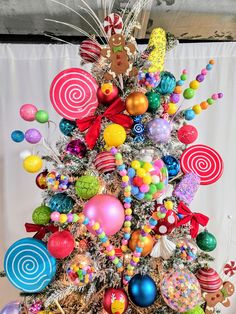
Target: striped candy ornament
[
  {"x": 230, "y": 268},
  {"x": 113, "y": 24},
  {"x": 90, "y": 51},
  {"x": 209, "y": 280},
  {"x": 105, "y": 162}
]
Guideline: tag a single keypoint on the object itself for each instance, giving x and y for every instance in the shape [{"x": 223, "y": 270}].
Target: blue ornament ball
[
  {"x": 172, "y": 165},
  {"x": 61, "y": 203},
  {"x": 17, "y": 136},
  {"x": 67, "y": 127},
  {"x": 189, "y": 114},
  {"x": 142, "y": 290},
  {"x": 167, "y": 83},
  {"x": 138, "y": 129}
]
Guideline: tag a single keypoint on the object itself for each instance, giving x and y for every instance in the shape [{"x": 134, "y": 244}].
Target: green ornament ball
[
  {"x": 196, "y": 310},
  {"x": 189, "y": 93},
  {"x": 86, "y": 187},
  {"x": 41, "y": 116},
  {"x": 206, "y": 241},
  {"x": 41, "y": 215},
  {"x": 154, "y": 101}
]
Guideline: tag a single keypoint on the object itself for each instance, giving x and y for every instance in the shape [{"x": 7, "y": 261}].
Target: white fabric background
[{"x": 26, "y": 74}]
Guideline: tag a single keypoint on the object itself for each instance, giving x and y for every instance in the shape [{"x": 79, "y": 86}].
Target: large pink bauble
[
  {"x": 28, "y": 112},
  {"x": 107, "y": 210}
]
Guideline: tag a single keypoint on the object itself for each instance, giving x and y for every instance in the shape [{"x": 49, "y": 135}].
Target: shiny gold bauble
[
  {"x": 136, "y": 103},
  {"x": 148, "y": 243}
]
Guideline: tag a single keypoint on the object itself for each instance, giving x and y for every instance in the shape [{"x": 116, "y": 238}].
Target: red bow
[
  {"x": 195, "y": 219},
  {"x": 41, "y": 230},
  {"x": 93, "y": 123}
]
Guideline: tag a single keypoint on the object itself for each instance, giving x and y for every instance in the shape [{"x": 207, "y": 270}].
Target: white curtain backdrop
[{"x": 26, "y": 74}]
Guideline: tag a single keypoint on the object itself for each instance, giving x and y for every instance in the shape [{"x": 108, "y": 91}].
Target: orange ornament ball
[
  {"x": 136, "y": 103},
  {"x": 147, "y": 243}
]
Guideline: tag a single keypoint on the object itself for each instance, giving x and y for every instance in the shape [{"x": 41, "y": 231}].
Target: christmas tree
[{"x": 115, "y": 232}]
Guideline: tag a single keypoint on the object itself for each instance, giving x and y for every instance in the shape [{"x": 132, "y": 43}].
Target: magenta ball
[
  {"x": 33, "y": 136},
  {"x": 11, "y": 308},
  {"x": 107, "y": 210},
  {"x": 159, "y": 130},
  {"x": 28, "y": 112}
]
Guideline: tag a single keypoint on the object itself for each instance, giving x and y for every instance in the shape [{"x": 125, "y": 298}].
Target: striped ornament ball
[
  {"x": 209, "y": 280},
  {"x": 90, "y": 51},
  {"x": 105, "y": 162}
]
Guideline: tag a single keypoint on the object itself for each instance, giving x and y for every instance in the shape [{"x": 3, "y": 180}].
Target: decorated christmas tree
[{"x": 115, "y": 232}]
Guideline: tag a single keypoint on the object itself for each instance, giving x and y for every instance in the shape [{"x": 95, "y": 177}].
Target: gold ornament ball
[
  {"x": 114, "y": 135},
  {"x": 136, "y": 103},
  {"x": 148, "y": 243},
  {"x": 32, "y": 163}
]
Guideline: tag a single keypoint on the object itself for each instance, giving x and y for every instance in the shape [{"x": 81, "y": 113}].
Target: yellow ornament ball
[
  {"x": 114, "y": 135},
  {"x": 194, "y": 84},
  {"x": 197, "y": 109},
  {"x": 172, "y": 108},
  {"x": 32, "y": 163}
]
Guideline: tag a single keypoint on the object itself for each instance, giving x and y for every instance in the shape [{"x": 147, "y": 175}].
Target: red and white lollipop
[
  {"x": 204, "y": 161},
  {"x": 73, "y": 94},
  {"x": 113, "y": 24},
  {"x": 230, "y": 268}
]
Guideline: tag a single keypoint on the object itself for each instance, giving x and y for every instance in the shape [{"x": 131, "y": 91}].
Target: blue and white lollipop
[{"x": 29, "y": 266}]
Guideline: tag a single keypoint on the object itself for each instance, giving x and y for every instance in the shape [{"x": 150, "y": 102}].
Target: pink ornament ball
[
  {"x": 55, "y": 216},
  {"x": 28, "y": 112},
  {"x": 107, "y": 210}
]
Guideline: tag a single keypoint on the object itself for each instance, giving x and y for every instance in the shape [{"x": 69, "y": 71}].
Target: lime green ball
[
  {"x": 154, "y": 101},
  {"x": 210, "y": 101},
  {"x": 160, "y": 186},
  {"x": 196, "y": 310},
  {"x": 152, "y": 189},
  {"x": 41, "y": 116},
  {"x": 189, "y": 93},
  {"x": 183, "y": 77},
  {"x": 41, "y": 215},
  {"x": 86, "y": 187},
  {"x": 148, "y": 197}
]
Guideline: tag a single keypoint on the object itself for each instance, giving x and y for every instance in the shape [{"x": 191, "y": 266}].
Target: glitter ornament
[
  {"x": 180, "y": 290},
  {"x": 77, "y": 148},
  {"x": 61, "y": 202},
  {"x": 186, "y": 189},
  {"x": 67, "y": 127},
  {"x": 87, "y": 186},
  {"x": 172, "y": 165},
  {"x": 159, "y": 130},
  {"x": 41, "y": 215},
  {"x": 105, "y": 162},
  {"x": 80, "y": 270},
  {"x": 57, "y": 182}
]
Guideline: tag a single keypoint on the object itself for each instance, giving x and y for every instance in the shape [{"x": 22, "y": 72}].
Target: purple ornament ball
[
  {"x": 77, "y": 148},
  {"x": 33, "y": 136},
  {"x": 200, "y": 78},
  {"x": 11, "y": 308},
  {"x": 174, "y": 98},
  {"x": 159, "y": 130}
]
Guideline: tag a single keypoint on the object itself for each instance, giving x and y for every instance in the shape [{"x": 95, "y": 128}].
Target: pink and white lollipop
[
  {"x": 113, "y": 24},
  {"x": 73, "y": 94},
  {"x": 204, "y": 161}
]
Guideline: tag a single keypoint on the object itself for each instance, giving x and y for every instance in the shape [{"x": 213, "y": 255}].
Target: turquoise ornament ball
[
  {"x": 61, "y": 203},
  {"x": 167, "y": 83}
]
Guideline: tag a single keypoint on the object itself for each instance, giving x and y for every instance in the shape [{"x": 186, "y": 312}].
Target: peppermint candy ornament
[
  {"x": 230, "y": 268},
  {"x": 90, "y": 51},
  {"x": 113, "y": 24}
]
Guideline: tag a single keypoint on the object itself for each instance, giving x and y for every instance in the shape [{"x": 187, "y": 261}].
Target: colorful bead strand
[
  {"x": 121, "y": 167},
  {"x": 194, "y": 85},
  {"x": 190, "y": 113}
]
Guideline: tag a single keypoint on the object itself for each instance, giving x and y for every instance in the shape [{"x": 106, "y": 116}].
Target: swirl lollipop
[
  {"x": 73, "y": 94},
  {"x": 204, "y": 161},
  {"x": 29, "y": 266}
]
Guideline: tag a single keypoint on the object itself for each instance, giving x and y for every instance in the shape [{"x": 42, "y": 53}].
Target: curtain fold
[{"x": 26, "y": 74}]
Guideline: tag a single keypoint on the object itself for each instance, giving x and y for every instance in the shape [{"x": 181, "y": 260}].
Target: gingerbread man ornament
[
  {"x": 119, "y": 54},
  {"x": 220, "y": 296}
]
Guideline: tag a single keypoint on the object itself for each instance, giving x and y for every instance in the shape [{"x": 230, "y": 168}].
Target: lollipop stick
[{"x": 59, "y": 307}]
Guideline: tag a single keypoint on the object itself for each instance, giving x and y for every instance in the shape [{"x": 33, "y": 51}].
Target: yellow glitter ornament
[{"x": 157, "y": 55}]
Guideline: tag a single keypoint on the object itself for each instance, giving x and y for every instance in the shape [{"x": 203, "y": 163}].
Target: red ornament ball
[
  {"x": 107, "y": 93},
  {"x": 90, "y": 50},
  {"x": 137, "y": 181},
  {"x": 115, "y": 301},
  {"x": 105, "y": 162},
  {"x": 167, "y": 224},
  {"x": 61, "y": 244},
  {"x": 41, "y": 180},
  {"x": 209, "y": 280},
  {"x": 187, "y": 134}
]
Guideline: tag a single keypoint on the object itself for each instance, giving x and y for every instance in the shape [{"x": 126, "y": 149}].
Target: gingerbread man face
[
  {"x": 117, "y": 40},
  {"x": 229, "y": 287}
]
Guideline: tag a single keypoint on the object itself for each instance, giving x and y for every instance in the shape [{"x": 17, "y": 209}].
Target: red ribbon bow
[
  {"x": 93, "y": 123},
  {"x": 195, "y": 219},
  {"x": 41, "y": 230}
]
